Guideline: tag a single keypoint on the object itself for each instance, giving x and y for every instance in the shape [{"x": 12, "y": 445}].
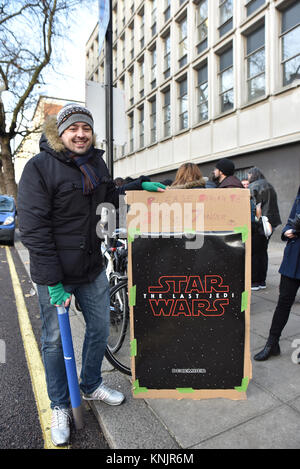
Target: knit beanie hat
[
  {"x": 226, "y": 166},
  {"x": 72, "y": 113}
]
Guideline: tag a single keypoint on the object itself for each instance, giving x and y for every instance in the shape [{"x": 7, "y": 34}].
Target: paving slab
[{"x": 277, "y": 429}]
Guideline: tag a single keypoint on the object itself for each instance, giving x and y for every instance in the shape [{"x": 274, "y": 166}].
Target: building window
[
  {"x": 183, "y": 42},
  {"x": 256, "y": 63},
  {"x": 226, "y": 80},
  {"x": 290, "y": 43},
  {"x": 183, "y": 104},
  {"x": 141, "y": 127},
  {"x": 142, "y": 30},
  {"x": 202, "y": 25},
  {"x": 167, "y": 10},
  {"x": 167, "y": 56},
  {"x": 123, "y": 50},
  {"x": 253, "y": 5},
  {"x": 153, "y": 18},
  {"x": 226, "y": 16},
  {"x": 202, "y": 93},
  {"x": 142, "y": 78},
  {"x": 167, "y": 112},
  {"x": 131, "y": 133},
  {"x": 153, "y": 120},
  {"x": 131, "y": 27},
  {"x": 153, "y": 68},
  {"x": 131, "y": 87}
]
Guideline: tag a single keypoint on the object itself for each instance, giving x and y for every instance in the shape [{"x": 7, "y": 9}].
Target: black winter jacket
[
  {"x": 57, "y": 221},
  {"x": 230, "y": 182},
  {"x": 263, "y": 192}
]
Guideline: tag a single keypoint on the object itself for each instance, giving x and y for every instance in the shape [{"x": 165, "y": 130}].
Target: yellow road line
[{"x": 33, "y": 357}]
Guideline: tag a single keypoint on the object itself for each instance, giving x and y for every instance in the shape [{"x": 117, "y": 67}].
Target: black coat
[
  {"x": 230, "y": 182},
  {"x": 263, "y": 192},
  {"x": 57, "y": 221},
  {"x": 290, "y": 266}
]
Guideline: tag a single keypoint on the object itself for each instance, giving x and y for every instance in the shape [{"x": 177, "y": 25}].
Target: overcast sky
[{"x": 69, "y": 81}]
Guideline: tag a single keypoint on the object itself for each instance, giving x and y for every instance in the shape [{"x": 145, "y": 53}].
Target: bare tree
[{"x": 29, "y": 33}]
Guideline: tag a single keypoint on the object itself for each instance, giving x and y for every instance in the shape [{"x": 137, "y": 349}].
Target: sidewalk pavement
[{"x": 268, "y": 419}]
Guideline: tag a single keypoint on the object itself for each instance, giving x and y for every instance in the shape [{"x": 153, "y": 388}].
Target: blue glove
[{"x": 153, "y": 186}]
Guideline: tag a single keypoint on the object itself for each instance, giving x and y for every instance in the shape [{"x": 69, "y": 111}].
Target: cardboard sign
[{"x": 189, "y": 289}]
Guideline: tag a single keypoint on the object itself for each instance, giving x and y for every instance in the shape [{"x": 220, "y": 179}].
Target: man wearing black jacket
[
  {"x": 224, "y": 175},
  {"x": 59, "y": 192}
]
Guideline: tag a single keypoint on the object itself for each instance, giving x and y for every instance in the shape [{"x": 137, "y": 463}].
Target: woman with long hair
[{"x": 188, "y": 176}]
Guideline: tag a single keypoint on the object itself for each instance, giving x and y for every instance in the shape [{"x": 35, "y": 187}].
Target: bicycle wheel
[
  {"x": 118, "y": 316},
  {"x": 118, "y": 347}
]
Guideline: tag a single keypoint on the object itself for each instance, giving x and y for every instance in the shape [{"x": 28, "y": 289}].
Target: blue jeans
[{"x": 94, "y": 301}]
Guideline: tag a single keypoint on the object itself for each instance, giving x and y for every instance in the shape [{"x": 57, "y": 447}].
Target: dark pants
[
  {"x": 259, "y": 258},
  {"x": 287, "y": 293}
]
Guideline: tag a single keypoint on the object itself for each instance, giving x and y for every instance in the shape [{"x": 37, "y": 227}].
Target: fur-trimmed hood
[
  {"x": 197, "y": 184},
  {"x": 50, "y": 138}
]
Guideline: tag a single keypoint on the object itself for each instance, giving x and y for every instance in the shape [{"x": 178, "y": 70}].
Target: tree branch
[
  {"x": 39, "y": 68},
  {"x": 17, "y": 13}
]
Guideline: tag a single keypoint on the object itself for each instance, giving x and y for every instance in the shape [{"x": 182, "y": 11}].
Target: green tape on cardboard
[
  {"x": 244, "y": 232},
  {"x": 133, "y": 348},
  {"x": 137, "y": 389},
  {"x": 132, "y": 295},
  {"x": 132, "y": 232},
  {"x": 185, "y": 390},
  {"x": 244, "y": 385},
  {"x": 244, "y": 301}
]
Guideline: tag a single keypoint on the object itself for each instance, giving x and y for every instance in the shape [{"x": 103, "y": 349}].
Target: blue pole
[{"x": 70, "y": 364}]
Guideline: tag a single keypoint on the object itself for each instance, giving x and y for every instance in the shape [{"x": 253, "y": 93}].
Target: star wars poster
[{"x": 190, "y": 304}]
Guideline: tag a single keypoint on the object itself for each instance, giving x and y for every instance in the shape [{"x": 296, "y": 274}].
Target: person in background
[
  {"x": 265, "y": 199},
  {"x": 211, "y": 181},
  {"x": 119, "y": 182},
  {"x": 224, "y": 175},
  {"x": 289, "y": 282},
  {"x": 188, "y": 176},
  {"x": 245, "y": 183}
]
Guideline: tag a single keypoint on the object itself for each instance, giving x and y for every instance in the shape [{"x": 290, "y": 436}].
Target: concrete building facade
[{"x": 206, "y": 79}]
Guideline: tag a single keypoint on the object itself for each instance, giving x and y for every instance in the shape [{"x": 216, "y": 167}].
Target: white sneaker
[
  {"x": 105, "y": 394},
  {"x": 60, "y": 426}
]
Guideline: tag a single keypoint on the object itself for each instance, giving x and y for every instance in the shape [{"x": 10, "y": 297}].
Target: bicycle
[
  {"x": 118, "y": 348},
  {"x": 115, "y": 253}
]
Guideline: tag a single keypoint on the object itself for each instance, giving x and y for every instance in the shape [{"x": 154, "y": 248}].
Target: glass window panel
[
  {"x": 256, "y": 40},
  {"x": 227, "y": 101},
  {"x": 291, "y": 70},
  {"x": 256, "y": 63},
  {"x": 203, "y": 111},
  {"x": 203, "y": 92},
  {"x": 291, "y": 43},
  {"x": 183, "y": 29},
  {"x": 183, "y": 87},
  {"x": 202, "y": 31},
  {"x": 291, "y": 16},
  {"x": 256, "y": 87},
  {"x": 202, "y": 74},
  {"x": 202, "y": 46},
  {"x": 203, "y": 11},
  {"x": 227, "y": 80},
  {"x": 167, "y": 98},
  {"x": 226, "y": 10},
  {"x": 183, "y": 104},
  {"x": 226, "y": 60},
  {"x": 254, "y": 5},
  {"x": 184, "y": 121},
  {"x": 225, "y": 28}
]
